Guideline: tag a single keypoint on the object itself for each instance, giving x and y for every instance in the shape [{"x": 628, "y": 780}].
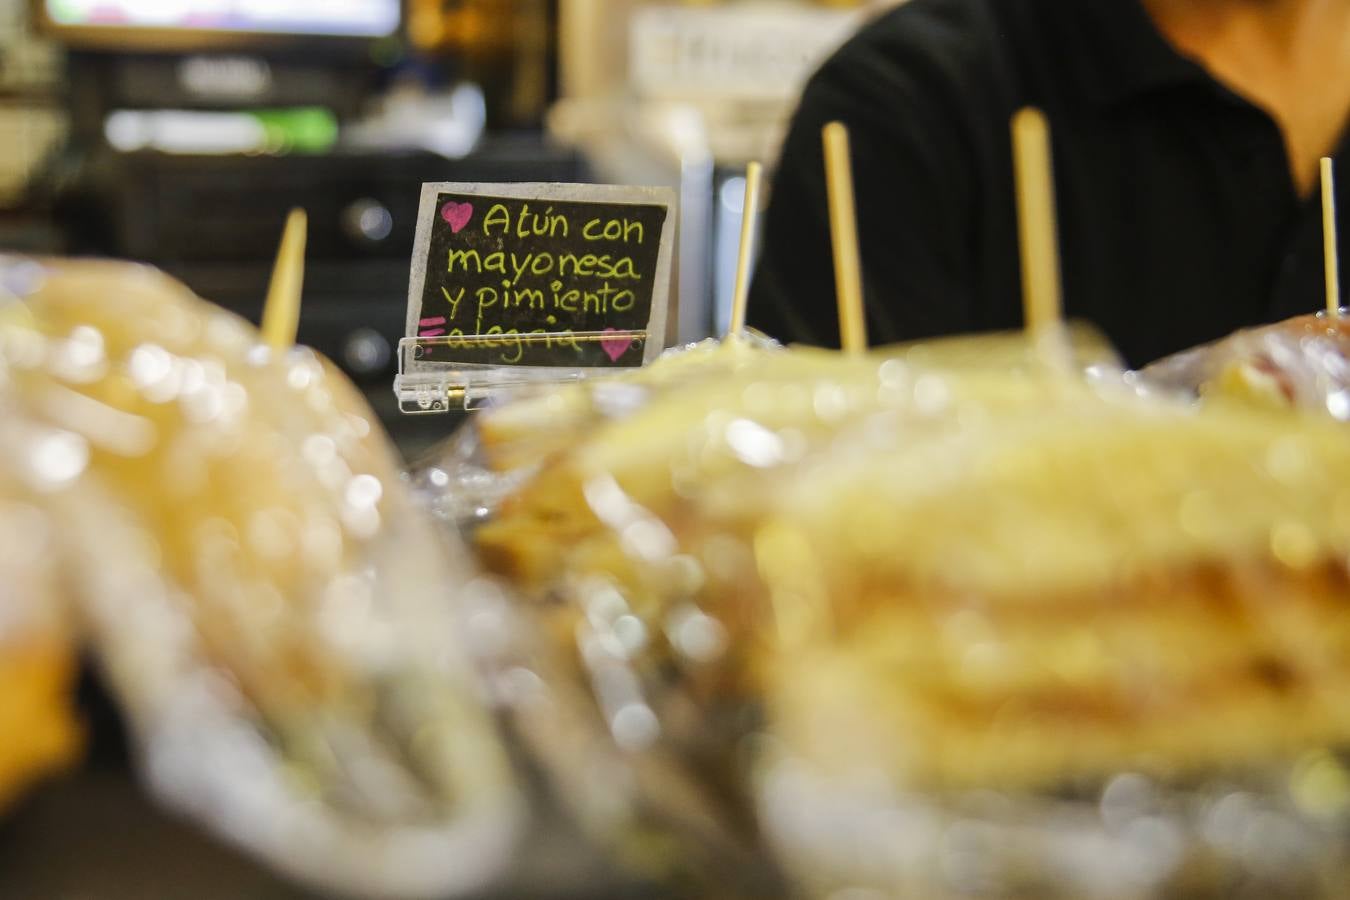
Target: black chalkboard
[{"x": 541, "y": 280}]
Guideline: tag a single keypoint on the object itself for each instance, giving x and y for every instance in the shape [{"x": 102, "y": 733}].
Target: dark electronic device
[{"x": 214, "y": 220}]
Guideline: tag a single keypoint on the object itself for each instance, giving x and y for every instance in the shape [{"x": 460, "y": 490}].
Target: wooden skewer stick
[
  {"x": 749, "y": 224},
  {"x": 281, "y": 314},
  {"x": 1330, "y": 248},
  {"x": 844, "y": 238},
  {"x": 1037, "y": 231}
]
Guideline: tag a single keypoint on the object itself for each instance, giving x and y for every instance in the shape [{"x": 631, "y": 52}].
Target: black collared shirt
[{"x": 1179, "y": 219}]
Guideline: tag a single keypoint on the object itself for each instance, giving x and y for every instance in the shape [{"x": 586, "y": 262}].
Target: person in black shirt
[{"x": 1186, "y": 136}]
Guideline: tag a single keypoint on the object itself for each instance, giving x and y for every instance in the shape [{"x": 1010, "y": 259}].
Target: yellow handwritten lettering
[
  {"x": 511, "y": 339},
  {"x": 499, "y": 216},
  {"x": 464, "y": 258},
  {"x": 581, "y": 266},
  {"x": 613, "y": 230},
  {"x": 545, "y": 224},
  {"x": 602, "y": 266},
  {"x": 454, "y": 301},
  {"x": 518, "y": 267},
  {"x": 487, "y": 298}
]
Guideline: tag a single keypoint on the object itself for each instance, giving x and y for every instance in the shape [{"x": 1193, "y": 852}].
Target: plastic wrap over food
[
  {"x": 463, "y": 479},
  {"x": 1100, "y": 651},
  {"x": 275, "y": 617},
  {"x": 1301, "y": 362},
  {"x": 635, "y": 542},
  {"x": 38, "y": 732},
  {"x": 930, "y": 625}
]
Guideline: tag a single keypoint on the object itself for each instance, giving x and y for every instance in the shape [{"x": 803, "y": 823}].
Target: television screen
[{"x": 333, "y": 18}]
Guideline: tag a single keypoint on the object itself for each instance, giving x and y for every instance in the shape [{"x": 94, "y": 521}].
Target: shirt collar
[{"x": 1127, "y": 55}]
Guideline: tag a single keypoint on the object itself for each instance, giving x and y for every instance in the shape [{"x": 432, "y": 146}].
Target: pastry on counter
[
  {"x": 273, "y": 615},
  {"x": 39, "y": 734},
  {"x": 917, "y": 582}
]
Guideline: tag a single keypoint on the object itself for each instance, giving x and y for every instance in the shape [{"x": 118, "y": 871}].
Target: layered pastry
[
  {"x": 274, "y": 616},
  {"x": 634, "y": 544},
  {"x": 954, "y": 597},
  {"x": 465, "y": 478},
  {"x": 1075, "y": 631},
  {"x": 38, "y": 731},
  {"x": 669, "y": 440}
]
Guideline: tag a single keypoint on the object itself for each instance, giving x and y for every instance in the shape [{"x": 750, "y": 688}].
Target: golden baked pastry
[
  {"x": 1106, "y": 584},
  {"x": 38, "y": 731},
  {"x": 276, "y": 618},
  {"x": 931, "y": 580}
]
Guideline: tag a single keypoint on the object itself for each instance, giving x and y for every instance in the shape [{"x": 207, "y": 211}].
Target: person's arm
[{"x": 914, "y": 174}]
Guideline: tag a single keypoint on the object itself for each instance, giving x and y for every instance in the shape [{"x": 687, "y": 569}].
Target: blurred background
[{"x": 179, "y": 132}]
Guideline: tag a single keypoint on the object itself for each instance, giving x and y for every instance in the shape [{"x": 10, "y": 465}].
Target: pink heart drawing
[
  {"x": 616, "y": 346},
  {"x": 457, "y": 215}
]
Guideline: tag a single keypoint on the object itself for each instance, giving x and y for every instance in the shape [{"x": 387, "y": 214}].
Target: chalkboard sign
[{"x": 540, "y": 275}]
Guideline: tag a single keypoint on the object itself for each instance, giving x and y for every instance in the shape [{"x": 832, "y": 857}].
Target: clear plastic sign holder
[{"x": 431, "y": 381}]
